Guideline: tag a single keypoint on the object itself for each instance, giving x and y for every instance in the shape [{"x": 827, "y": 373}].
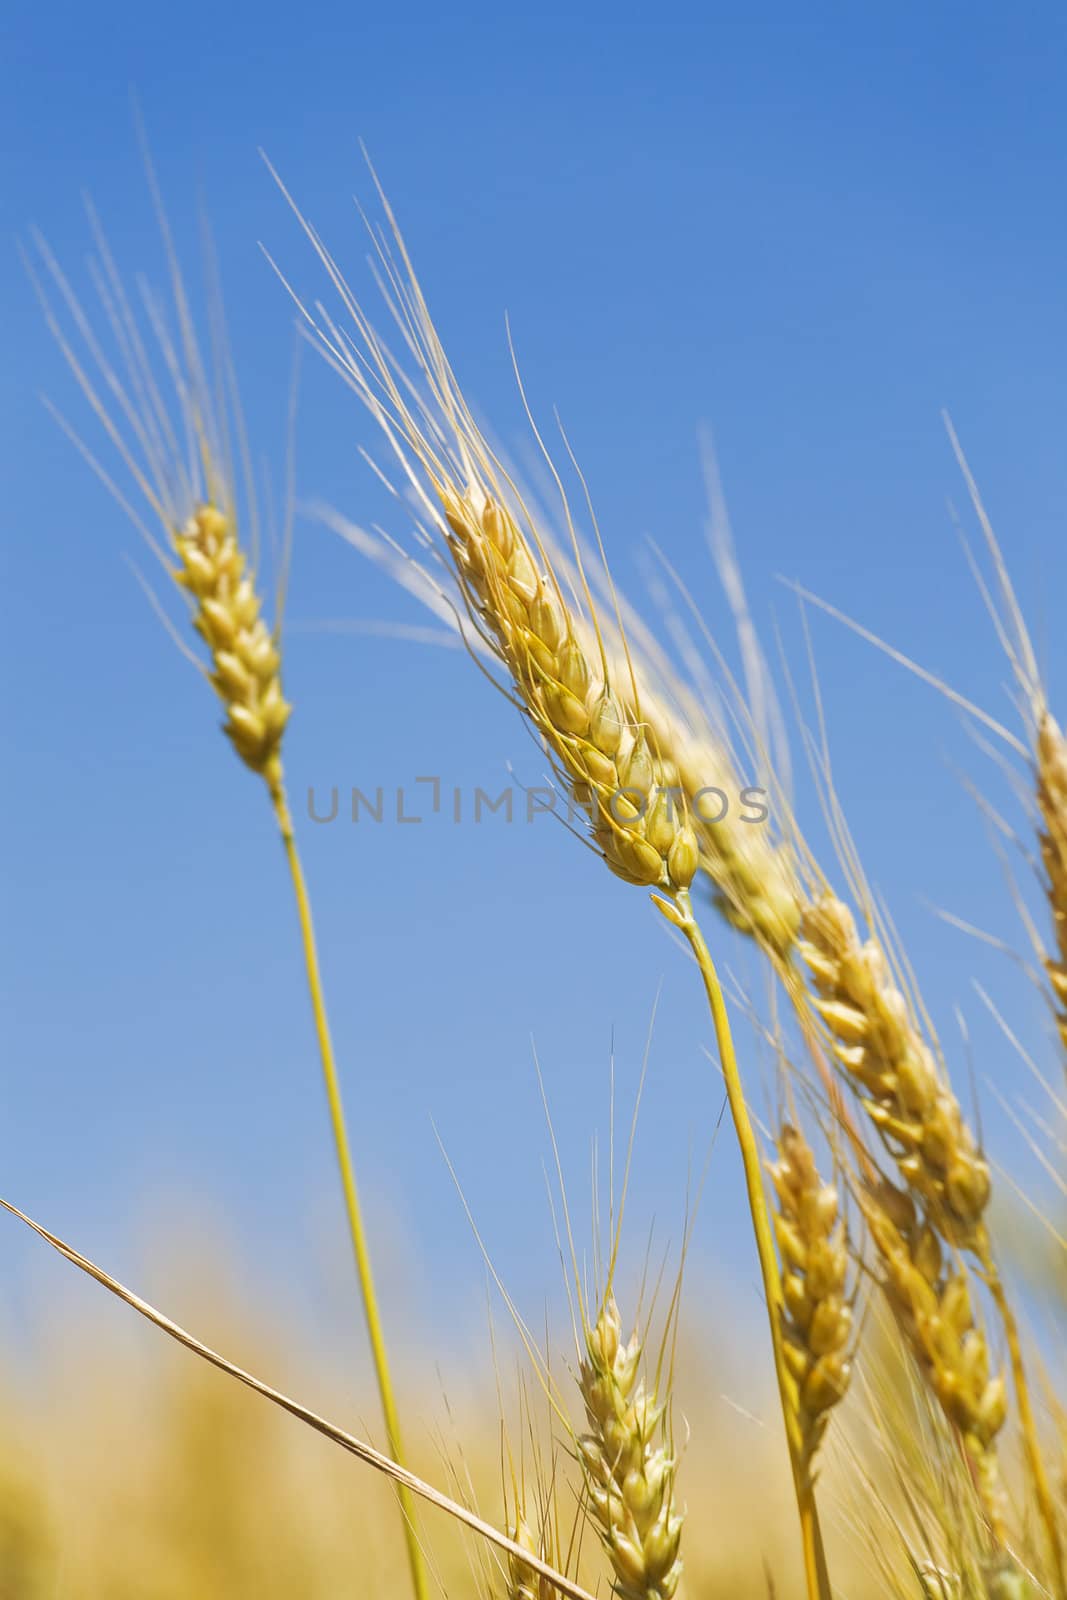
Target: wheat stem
[
  {"x": 351, "y": 1193},
  {"x": 815, "y": 1570}
]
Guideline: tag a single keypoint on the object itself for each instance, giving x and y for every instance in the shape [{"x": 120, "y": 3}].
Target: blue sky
[{"x": 809, "y": 235}]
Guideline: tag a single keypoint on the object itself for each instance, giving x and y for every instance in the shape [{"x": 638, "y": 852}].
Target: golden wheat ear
[
  {"x": 816, "y": 1309},
  {"x": 174, "y": 422},
  {"x": 628, "y": 1462},
  {"x": 932, "y": 1302},
  {"x": 245, "y": 659},
  {"x": 584, "y": 703},
  {"x": 883, "y": 1053}
]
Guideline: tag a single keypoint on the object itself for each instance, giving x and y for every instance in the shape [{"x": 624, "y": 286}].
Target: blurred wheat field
[
  {"x": 873, "y": 1403},
  {"x": 135, "y": 1473}
]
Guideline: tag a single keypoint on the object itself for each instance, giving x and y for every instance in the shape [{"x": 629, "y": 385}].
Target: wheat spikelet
[
  {"x": 894, "y": 1070},
  {"x": 816, "y": 1316},
  {"x": 228, "y": 616},
  {"x": 629, "y": 1478},
  {"x": 935, "y": 1313}
]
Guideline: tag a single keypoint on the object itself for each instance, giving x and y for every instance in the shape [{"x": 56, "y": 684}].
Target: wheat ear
[
  {"x": 524, "y": 1582},
  {"x": 196, "y": 505},
  {"x": 881, "y": 1048},
  {"x": 601, "y": 749},
  {"x": 245, "y": 661},
  {"x": 1051, "y": 762},
  {"x": 816, "y": 1314},
  {"x": 894, "y": 1070},
  {"x": 629, "y": 1476},
  {"x": 934, "y": 1310}
]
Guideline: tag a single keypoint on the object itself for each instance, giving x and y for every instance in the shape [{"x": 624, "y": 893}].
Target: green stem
[
  {"x": 351, "y": 1193},
  {"x": 815, "y": 1569}
]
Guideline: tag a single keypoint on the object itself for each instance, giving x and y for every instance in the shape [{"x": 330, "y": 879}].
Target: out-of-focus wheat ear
[
  {"x": 629, "y": 1468},
  {"x": 938, "y": 1583},
  {"x": 1051, "y": 763},
  {"x": 523, "y": 1582},
  {"x": 905, "y": 1093},
  {"x": 816, "y": 1313},
  {"x": 932, "y": 1304}
]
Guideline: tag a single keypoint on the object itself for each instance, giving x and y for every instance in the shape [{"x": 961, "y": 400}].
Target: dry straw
[
  {"x": 179, "y": 453},
  {"x": 407, "y": 1481}
]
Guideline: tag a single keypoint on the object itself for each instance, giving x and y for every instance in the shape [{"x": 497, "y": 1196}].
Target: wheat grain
[
  {"x": 629, "y": 1477},
  {"x": 816, "y": 1315}
]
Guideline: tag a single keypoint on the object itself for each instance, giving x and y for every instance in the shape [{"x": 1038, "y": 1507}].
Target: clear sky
[{"x": 809, "y": 235}]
